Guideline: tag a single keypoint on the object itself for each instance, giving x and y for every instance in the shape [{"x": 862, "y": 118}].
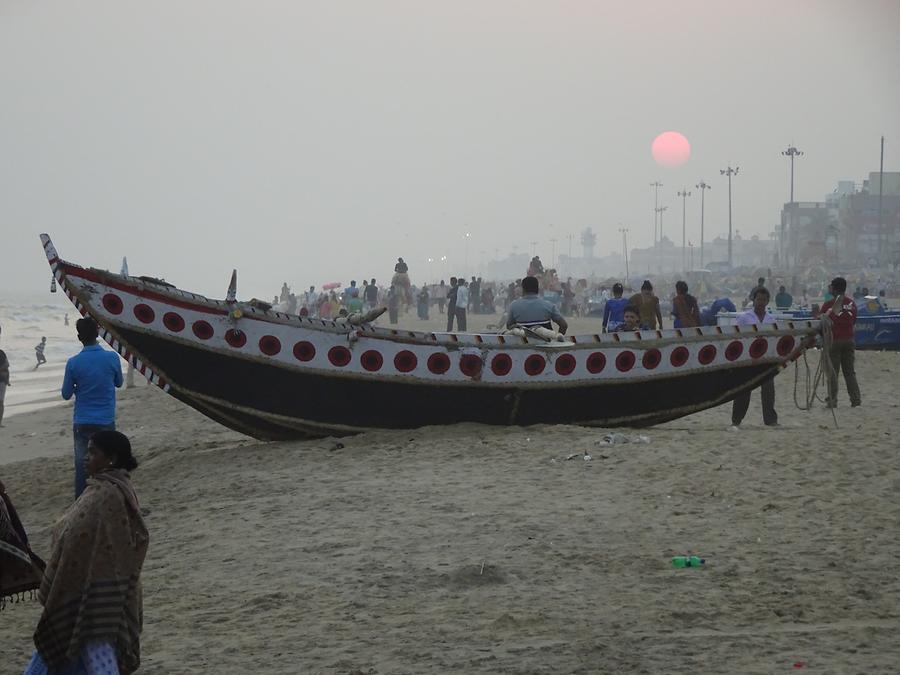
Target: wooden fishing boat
[{"x": 274, "y": 376}]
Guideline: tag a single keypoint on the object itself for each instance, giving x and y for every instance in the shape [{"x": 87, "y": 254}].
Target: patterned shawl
[
  {"x": 91, "y": 588},
  {"x": 20, "y": 570}
]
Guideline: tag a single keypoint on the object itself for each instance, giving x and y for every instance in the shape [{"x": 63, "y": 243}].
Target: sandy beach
[{"x": 479, "y": 549}]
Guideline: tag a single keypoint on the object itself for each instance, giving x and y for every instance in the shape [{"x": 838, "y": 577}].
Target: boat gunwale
[{"x": 640, "y": 340}]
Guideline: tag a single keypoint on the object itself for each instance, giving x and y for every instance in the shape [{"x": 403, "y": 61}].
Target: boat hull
[
  {"x": 275, "y": 376},
  {"x": 298, "y": 402}
]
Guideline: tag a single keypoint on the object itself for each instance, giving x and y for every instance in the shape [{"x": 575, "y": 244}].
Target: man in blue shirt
[
  {"x": 92, "y": 376},
  {"x": 531, "y": 310},
  {"x": 614, "y": 310}
]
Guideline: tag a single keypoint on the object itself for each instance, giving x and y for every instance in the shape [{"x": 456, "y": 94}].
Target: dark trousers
[
  {"x": 451, "y": 314},
  {"x": 742, "y": 403},
  {"x": 461, "y": 319},
  {"x": 82, "y": 434},
  {"x": 843, "y": 358}
]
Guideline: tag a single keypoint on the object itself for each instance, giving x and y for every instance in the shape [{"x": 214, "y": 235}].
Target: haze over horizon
[{"x": 317, "y": 141}]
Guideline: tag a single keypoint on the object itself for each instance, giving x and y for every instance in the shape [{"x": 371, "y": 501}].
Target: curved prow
[{"x": 49, "y": 248}]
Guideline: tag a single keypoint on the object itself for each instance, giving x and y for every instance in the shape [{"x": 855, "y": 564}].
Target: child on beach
[
  {"x": 632, "y": 321},
  {"x": 39, "y": 352}
]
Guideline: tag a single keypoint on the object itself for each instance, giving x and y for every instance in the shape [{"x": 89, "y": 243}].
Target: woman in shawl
[
  {"x": 20, "y": 569},
  {"x": 91, "y": 589}
]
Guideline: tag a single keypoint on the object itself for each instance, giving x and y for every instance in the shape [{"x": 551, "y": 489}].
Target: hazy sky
[{"x": 315, "y": 141}]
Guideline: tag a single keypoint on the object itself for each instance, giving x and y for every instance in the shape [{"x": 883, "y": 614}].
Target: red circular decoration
[
  {"x": 707, "y": 355},
  {"x": 113, "y": 303},
  {"x": 596, "y": 362},
  {"x": 405, "y": 361},
  {"x": 679, "y": 356},
  {"x": 470, "y": 365},
  {"x": 534, "y": 364},
  {"x": 173, "y": 322},
  {"x": 565, "y": 364},
  {"x": 269, "y": 345},
  {"x": 786, "y": 345},
  {"x": 202, "y": 330},
  {"x": 144, "y": 313},
  {"x": 236, "y": 338},
  {"x": 439, "y": 363},
  {"x": 758, "y": 348},
  {"x": 371, "y": 360},
  {"x": 304, "y": 351},
  {"x": 625, "y": 361},
  {"x": 651, "y": 359},
  {"x": 734, "y": 350},
  {"x": 339, "y": 356},
  {"x": 501, "y": 365}
]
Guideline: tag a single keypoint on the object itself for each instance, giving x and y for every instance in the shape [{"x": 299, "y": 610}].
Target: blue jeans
[{"x": 82, "y": 434}]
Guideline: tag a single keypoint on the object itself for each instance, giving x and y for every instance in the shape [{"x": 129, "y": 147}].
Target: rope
[{"x": 824, "y": 369}]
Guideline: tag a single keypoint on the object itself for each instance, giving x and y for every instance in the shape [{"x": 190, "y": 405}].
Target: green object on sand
[{"x": 688, "y": 561}]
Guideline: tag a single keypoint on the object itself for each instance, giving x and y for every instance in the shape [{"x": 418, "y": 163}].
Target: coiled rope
[{"x": 824, "y": 371}]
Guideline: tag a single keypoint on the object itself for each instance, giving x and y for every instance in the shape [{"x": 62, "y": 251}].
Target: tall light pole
[
  {"x": 684, "y": 193},
  {"x": 655, "y": 185},
  {"x": 729, "y": 171},
  {"x": 791, "y": 152},
  {"x": 886, "y": 253},
  {"x": 570, "y": 246},
  {"x": 553, "y": 252},
  {"x": 624, "y": 231},
  {"x": 660, "y": 210},
  {"x": 466, "y": 260},
  {"x": 533, "y": 248},
  {"x": 703, "y": 187}
]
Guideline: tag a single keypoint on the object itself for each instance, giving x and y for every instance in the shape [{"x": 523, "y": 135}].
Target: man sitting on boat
[{"x": 532, "y": 311}]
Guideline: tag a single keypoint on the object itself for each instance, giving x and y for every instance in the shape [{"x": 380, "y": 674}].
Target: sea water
[{"x": 24, "y": 319}]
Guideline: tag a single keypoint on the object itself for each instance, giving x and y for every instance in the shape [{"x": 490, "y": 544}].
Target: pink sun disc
[{"x": 671, "y": 148}]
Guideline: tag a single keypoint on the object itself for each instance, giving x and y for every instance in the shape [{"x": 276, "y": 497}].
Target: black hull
[{"x": 271, "y": 402}]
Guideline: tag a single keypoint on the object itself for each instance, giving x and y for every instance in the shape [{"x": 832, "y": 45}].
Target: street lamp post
[
  {"x": 466, "y": 260},
  {"x": 553, "y": 253},
  {"x": 703, "y": 187},
  {"x": 791, "y": 152},
  {"x": 659, "y": 254},
  {"x": 729, "y": 171},
  {"x": 684, "y": 193},
  {"x": 624, "y": 231},
  {"x": 656, "y": 185}
]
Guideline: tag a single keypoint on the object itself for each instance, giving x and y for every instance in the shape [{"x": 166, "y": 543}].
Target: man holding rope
[{"x": 841, "y": 312}]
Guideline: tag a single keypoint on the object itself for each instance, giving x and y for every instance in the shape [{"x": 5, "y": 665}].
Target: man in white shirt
[
  {"x": 462, "y": 302},
  {"x": 757, "y": 315},
  {"x": 312, "y": 300}
]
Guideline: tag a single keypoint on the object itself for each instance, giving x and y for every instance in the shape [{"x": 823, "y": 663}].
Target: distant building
[
  {"x": 861, "y": 240},
  {"x": 666, "y": 257}
]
